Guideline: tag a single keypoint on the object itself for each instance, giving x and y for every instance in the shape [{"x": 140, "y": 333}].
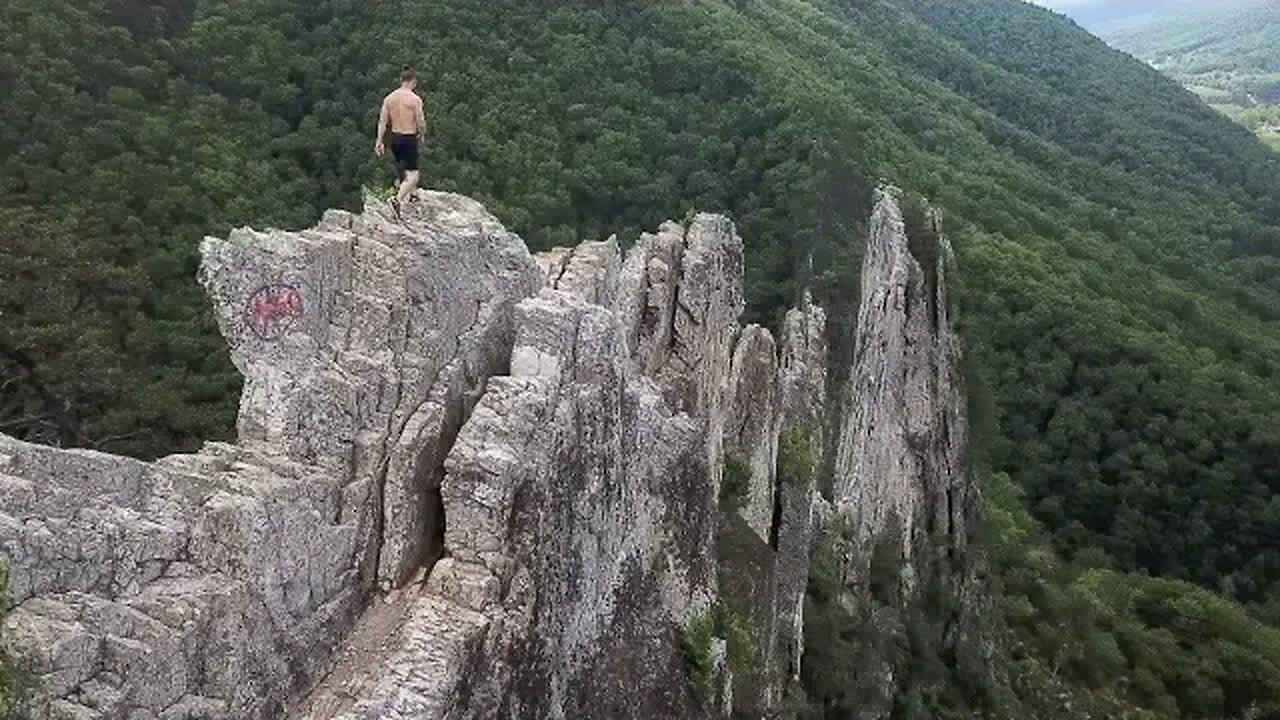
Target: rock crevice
[
  {"x": 581, "y": 497},
  {"x": 567, "y": 414}
]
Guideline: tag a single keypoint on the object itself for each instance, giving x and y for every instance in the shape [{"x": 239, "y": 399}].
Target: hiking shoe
[{"x": 395, "y": 208}]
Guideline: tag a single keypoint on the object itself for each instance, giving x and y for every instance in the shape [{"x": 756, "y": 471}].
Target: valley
[
  {"x": 1224, "y": 52},
  {"x": 1116, "y": 248}
]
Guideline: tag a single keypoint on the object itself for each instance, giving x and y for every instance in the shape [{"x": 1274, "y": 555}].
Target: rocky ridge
[
  {"x": 210, "y": 585},
  {"x": 471, "y": 482},
  {"x": 486, "y": 483}
]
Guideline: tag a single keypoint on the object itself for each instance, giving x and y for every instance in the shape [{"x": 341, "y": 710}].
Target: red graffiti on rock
[{"x": 274, "y": 310}]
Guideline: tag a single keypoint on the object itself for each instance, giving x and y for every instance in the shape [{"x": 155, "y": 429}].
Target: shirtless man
[{"x": 402, "y": 109}]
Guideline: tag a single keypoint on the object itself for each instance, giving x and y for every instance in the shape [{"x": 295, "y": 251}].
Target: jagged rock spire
[
  {"x": 902, "y": 451},
  {"x": 905, "y": 500}
]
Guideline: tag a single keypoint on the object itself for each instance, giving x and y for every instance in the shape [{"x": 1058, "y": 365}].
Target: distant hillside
[
  {"x": 1103, "y": 16},
  {"x": 1228, "y": 54}
]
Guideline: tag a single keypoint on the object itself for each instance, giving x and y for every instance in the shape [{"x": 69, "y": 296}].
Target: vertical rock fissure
[
  {"x": 676, "y": 278},
  {"x": 384, "y": 464},
  {"x": 775, "y": 523}
]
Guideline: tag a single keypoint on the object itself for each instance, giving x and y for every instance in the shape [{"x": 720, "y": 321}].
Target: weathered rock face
[
  {"x": 582, "y": 499},
  {"x": 475, "y": 483},
  {"x": 364, "y": 344},
  {"x": 774, "y": 424},
  {"x": 215, "y": 585},
  {"x": 128, "y": 578},
  {"x": 902, "y": 482},
  {"x": 755, "y": 422},
  {"x": 803, "y": 382},
  {"x": 902, "y": 454},
  {"x": 524, "y": 455}
]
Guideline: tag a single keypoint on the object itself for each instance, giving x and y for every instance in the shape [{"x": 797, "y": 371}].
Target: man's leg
[
  {"x": 397, "y": 151},
  {"x": 410, "y": 183},
  {"x": 408, "y": 186}
]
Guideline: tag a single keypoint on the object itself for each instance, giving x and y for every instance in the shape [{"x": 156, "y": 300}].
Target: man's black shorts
[{"x": 404, "y": 148}]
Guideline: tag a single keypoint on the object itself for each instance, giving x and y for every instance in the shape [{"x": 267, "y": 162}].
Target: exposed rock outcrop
[
  {"x": 904, "y": 494},
  {"x": 584, "y": 493},
  {"x": 902, "y": 451},
  {"x": 468, "y": 484},
  {"x": 475, "y": 483},
  {"x": 215, "y": 585},
  {"x": 803, "y": 381},
  {"x": 764, "y": 551},
  {"x": 752, "y": 432}
]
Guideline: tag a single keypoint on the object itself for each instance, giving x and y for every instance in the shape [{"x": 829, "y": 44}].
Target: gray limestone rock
[
  {"x": 803, "y": 394},
  {"x": 901, "y": 473},
  {"x": 777, "y": 393},
  {"x": 215, "y": 585},
  {"x": 364, "y": 342},
  {"x": 902, "y": 453},
  {"x": 469, "y": 483},
  {"x": 581, "y": 504},
  {"x": 754, "y": 423}
]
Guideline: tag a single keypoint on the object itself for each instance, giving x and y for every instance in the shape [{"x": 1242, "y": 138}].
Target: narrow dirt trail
[{"x": 374, "y": 639}]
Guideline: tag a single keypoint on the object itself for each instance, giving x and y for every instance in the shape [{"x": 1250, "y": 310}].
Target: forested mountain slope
[
  {"x": 1118, "y": 241},
  {"x": 1103, "y": 16},
  {"x": 1224, "y": 52}
]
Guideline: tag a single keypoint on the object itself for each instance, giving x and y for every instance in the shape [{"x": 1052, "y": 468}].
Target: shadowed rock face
[
  {"x": 802, "y": 378},
  {"x": 764, "y": 550},
  {"x": 468, "y": 484}
]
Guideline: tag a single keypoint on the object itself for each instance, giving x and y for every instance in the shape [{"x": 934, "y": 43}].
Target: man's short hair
[{"x": 407, "y": 75}]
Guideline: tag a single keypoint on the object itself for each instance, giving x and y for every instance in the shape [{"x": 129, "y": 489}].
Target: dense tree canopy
[{"x": 1119, "y": 242}]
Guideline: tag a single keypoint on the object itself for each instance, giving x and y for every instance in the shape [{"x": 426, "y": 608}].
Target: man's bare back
[{"x": 403, "y": 109}]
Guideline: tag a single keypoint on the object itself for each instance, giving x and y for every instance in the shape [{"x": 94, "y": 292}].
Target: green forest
[{"x": 1118, "y": 241}]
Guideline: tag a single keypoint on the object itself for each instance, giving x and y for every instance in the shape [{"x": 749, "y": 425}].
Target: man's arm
[
  {"x": 383, "y": 117},
  {"x": 422, "y": 121}
]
